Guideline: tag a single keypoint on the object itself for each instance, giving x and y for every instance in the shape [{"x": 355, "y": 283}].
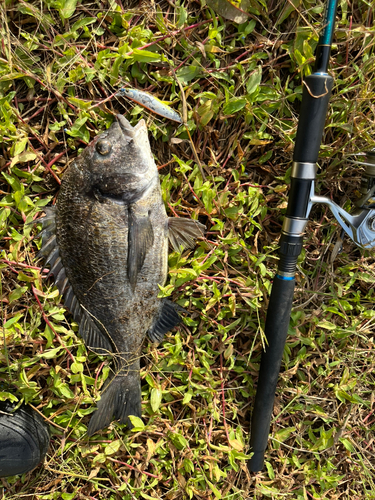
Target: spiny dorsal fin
[
  {"x": 49, "y": 218},
  {"x": 47, "y": 246},
  {"x": 89, "y": 331},
  {"x": 48, "y": 233},
  {"x": 166, "y": 320},
  {"x": 184, "y": 232},
  {"x": 140, "y": 240}
]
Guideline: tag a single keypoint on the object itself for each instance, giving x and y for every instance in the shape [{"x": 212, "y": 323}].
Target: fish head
[{"x": 118, "y": 165}]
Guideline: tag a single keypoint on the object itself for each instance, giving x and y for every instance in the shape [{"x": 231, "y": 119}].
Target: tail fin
[{"x": 120, "y": 398}]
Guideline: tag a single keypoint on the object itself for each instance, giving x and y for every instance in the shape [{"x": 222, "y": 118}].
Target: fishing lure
[{"x": 150, "y": 102}]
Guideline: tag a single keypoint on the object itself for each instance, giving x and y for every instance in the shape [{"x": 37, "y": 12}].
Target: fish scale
[{"x": 107, "y": 244}]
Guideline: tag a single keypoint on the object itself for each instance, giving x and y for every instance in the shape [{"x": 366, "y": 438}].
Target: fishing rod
[
  {"x": 316, "y": 93},
  {"x": 358, "y": 225}
]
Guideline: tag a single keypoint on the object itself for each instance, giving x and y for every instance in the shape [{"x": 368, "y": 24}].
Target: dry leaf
[{"x": 227, "y": 10}]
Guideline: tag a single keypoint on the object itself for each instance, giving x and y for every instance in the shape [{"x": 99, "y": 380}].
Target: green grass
[{"x": 242, "y": 84}]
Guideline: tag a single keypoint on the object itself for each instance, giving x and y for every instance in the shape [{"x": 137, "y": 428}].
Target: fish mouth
[
  {"x": 123, "y": 188},
  {"x": 125, "y": 126},
  {"x": 129, "y": 131}
]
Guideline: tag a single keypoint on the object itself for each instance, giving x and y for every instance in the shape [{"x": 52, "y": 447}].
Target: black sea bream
[{"x": 106, "y": 241}]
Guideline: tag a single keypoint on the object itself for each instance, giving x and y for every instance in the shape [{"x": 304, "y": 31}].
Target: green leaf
[
  {"x": 187, "y": 73},
  {"x": 265, "y": 157},
  {"x": 178, "y": 440},
  {"x": 254, "y": 80},
  {"x": 7, "y": 396},
  {"x": 299, "y": 57},
  {"x": 67, "y": 8},
  {"x": 327, "y": 325},
  {"x": 137, "y": 422},
  {"x": 13, "y": 320},
  {"x": 49, "y": 335},
  {"x": 145, "y": 56},
  {"x": 348, "y": 444},
  {"x": 19, "y": 146},
  {"x": 13, "y": 181},
  {"x": 187, "y": 397},
  {"x": 79, "y": 129},
  {"x": 68, "y": 496},
  {"x": 271, "y": 472},
  {"x": 101, "y": 458},
  {"x": 52, "y": 353},
  {"x": 17, "y": 293},
  {"x": 147, "y": 497},
  {"x": 206, "y": 112},
  {"x": 113, "y": 447},
  {"x": 215, "y": 491},
  {"x": 83, "y": 22},
  {"x": 283, "y": 434},
  {"x": 182, "y": 15},
  {"x": 77, "y": 367},
  {"x": 79, "y": 103},
  {"x": 65, "y": 391},
  {"x": 155, "y": 399},
  {"x": 234, "y": 105}
]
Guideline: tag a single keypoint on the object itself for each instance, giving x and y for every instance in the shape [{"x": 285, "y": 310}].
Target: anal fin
[
  {"x": 166, "y": 320},
  {"x": 93, "y": 336}
]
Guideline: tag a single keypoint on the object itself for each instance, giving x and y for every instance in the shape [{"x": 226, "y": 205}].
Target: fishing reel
[{"x": 360, "y": 224}]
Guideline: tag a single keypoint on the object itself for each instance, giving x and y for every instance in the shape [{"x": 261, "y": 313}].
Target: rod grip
[
  {"x": 316, "y": 93},
  {"x": 276, "y": 330}
]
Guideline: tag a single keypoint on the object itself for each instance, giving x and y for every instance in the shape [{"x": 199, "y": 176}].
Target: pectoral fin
[
  {"x": 184, "y": 232},
  {"x": 140, "y": 240},
  {"x": 166, "y": 320}
]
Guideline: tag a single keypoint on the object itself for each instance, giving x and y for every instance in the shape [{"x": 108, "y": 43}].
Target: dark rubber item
[
  {"x": 276, "y": 330},
  {"x": 24, "y": 439}
]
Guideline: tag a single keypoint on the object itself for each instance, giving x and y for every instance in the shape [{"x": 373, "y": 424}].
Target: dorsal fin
[{"x": 92, "y": 335}]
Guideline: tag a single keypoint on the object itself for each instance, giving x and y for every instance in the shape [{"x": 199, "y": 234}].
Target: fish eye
[{"x": 103, "y": 147}]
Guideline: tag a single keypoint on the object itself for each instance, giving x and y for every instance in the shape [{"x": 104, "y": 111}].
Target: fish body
[
  {"x": 107, "y": 243},
  {"x": 152, "y": 103}
]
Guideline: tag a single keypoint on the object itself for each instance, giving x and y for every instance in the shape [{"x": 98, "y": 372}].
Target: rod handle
[
  {"x": 315, "y": 97},
  {"x": 276, "y": 330}
]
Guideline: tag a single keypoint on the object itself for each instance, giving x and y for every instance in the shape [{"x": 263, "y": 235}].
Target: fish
[
  {"x": 150, "y": 102},
  {"x": 106, "y": 242}
]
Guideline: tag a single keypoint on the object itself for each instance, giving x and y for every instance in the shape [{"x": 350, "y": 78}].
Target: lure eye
[{"x": 103, "y": 147}]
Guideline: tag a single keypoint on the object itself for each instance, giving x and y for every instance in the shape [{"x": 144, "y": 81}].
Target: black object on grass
[{"x": 24, "y": 439}]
